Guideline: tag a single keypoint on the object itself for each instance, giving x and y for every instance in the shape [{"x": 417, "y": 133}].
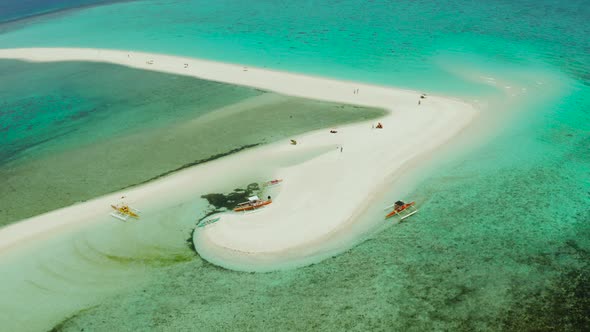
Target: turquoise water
[
  {"x": 386, "y": 42},
  {"x": 52, "y": 106},
  {"x": 502, "y": 238}
]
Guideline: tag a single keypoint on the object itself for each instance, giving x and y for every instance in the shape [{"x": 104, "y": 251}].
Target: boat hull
[
  {"x": 398, "y": 210},
  {"x": 252, "y": 207}
]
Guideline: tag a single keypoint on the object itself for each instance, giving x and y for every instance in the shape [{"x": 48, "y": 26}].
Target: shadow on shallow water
[{"x": 223, "y": 202}]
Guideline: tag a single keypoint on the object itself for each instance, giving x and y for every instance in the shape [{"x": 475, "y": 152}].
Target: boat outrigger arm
[{"x": 401, "y": 209}]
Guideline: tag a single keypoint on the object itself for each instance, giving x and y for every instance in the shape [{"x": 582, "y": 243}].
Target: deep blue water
[{"x": 11, "y": 10}]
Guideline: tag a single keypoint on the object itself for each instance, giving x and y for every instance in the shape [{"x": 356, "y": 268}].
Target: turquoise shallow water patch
[
  {"x": 52, "y": 106},
  {"x": 501, "y": 241}
]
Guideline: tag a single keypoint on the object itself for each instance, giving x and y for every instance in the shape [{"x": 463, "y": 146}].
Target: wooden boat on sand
[
  {"x": 253, "y": 203},
  {"x": 124, "y": 212}
]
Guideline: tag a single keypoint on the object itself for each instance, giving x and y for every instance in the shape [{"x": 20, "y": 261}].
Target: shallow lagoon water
[
  {"x": 75, "y": 131},
  {"x": 501, "y": 241}
]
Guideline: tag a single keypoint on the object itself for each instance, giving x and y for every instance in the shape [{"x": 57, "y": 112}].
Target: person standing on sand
[{"x": 340, "y": 149}]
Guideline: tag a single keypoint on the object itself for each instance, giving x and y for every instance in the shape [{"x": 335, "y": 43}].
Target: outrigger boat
[
  {"x": 401, "y": 209},
  {"x": 124, "y": 211},
  {"x": 253, "y": 203},
  {"x": 273, "y": 182}
]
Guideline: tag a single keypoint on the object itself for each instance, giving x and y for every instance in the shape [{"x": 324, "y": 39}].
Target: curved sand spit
[{"x": 318, "y": 199}]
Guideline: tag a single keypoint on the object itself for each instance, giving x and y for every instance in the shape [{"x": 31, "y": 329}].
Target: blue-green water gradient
[{"x": 502, "y": 238}]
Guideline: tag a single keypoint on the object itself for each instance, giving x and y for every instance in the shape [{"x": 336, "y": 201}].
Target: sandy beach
[{"x": 319, "y": 199}]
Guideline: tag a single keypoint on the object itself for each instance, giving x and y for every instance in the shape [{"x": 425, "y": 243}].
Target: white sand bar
[{"x": 320, "y": 197}]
